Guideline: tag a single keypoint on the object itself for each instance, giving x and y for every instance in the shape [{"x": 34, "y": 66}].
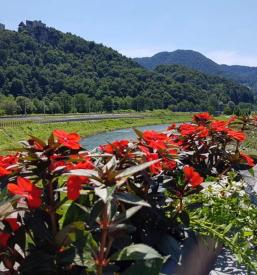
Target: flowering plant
[{"x": 123, "y": 208}]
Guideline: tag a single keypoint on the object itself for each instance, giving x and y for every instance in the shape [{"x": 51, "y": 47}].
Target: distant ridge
[{"x": 242, "y": 74}]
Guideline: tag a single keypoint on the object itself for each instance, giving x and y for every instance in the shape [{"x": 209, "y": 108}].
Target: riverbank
[{"x": 10, "y": 136}]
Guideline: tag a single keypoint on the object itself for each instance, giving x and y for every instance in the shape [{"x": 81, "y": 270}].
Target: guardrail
[
  {"x": 14, "y": 123},
  {"x": 41, "y": 120}
]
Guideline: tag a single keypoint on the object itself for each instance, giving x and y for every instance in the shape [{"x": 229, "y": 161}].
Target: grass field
[
  {"x": 11, "y": 135},
  {"x": 14, "y": 132}
]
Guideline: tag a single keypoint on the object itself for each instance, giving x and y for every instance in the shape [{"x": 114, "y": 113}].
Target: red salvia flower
[
  {"x": 192, "y": 177},
  {"x": 25, "y": 188},
  {"x": 70, "y": 140}
]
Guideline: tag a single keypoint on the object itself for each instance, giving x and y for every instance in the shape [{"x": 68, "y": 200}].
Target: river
[{"x": 94, "y": 141}]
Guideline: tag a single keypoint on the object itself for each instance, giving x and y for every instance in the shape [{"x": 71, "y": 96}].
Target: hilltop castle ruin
[{"x": 2, "y": 26}]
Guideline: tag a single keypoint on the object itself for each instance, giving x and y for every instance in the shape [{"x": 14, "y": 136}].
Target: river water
[{"x": 94, "y": 141}]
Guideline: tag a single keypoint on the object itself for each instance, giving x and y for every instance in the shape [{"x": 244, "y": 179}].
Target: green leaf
[
  {"x": 147, "y": 267},
  {"x": 251, "y": 171},
  {"x": 135, "y": 169},
  {"x": 136, "y": 252},
  {"x": 138, "y": 132},
  {"x": 39, "y": 141},
  {"x": 96, "y": 211},
  {"x": 83, "y": 172},
  {"x": 131, "y": 199},
  {"x": 127, "y": 214},
  {"x": 248, "y": 233},
  {"x": 62, "y": 237},
  {"x": 184, "y": 218},
  {"x": 227, "y": 228},
  {"x": 117, "y": 228},
  {"x": 105, "y": 193},
  {"x": 235, "y": 238},
  {"x": 168, "y": 245}
]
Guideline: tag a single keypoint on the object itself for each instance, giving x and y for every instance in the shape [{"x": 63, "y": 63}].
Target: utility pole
[
  {"x": 44, "y": 106},
  {"x": 25, "y": 108}
]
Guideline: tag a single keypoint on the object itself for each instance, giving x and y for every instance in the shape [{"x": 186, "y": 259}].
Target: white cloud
[{"x": 232, "y": 58}]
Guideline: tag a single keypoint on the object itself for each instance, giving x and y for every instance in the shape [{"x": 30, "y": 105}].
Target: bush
[{"x": 65, "y": 210}]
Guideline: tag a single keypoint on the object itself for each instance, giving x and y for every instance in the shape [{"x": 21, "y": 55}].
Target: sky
[{"x": 223, "y": 30}]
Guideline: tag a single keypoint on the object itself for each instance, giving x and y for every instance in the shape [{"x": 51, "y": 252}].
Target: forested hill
[
  {"x": 61, "y": 72},
  {"x": 192, "y": 80},
  {"x": 242, "y": 74}
]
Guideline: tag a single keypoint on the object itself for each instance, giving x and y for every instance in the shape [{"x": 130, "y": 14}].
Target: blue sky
[{"x": 224, "y": 30}]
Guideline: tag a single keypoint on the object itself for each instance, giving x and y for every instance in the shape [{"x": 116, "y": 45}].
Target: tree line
[{"x": 64, "y": 73}]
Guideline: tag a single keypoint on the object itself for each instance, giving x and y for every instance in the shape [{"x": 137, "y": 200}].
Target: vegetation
[
  {"x": 127, "y": 208},
  {"x": 10, "y": 135},
  {"x": 236, "y": 99},
  {"x": 43, "y": 70},
  {"x": 195, "y": 60}
]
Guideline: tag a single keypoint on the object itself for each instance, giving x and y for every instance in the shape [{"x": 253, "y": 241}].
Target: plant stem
[
  {"x": 52, "y": 208},
  {"x": 104, "y": 234}
]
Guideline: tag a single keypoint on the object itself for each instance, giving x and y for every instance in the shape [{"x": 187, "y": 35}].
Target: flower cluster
[{"x": 73, "y": 206}]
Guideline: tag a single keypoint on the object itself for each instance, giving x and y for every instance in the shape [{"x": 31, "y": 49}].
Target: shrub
[{"x": 65, "y": 210}]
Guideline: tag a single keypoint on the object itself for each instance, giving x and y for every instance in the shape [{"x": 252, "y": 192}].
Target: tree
[
  {"x": 17, "y": 87},
  {"x": 108, "y": 104},
  {"x": 25, "y": 105}
]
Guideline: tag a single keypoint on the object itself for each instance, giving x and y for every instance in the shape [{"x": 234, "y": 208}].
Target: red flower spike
[
  {"x": 25, "y": 188},
  {"x": 70, "y": 140},
  {"x": 192, "y": 177}
]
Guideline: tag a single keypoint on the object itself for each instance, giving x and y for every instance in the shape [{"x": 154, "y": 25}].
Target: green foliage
[
  {"x": 242, "y": 74},
  {"x": 69, "y": 74}
]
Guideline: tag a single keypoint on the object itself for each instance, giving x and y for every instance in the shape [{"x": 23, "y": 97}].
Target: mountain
[
  {"x": 242, "y": 74},
  {"x": 61, "y": 72}
]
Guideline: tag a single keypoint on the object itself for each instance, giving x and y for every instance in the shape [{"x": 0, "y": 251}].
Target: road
[{"x": 66, "y": 118}]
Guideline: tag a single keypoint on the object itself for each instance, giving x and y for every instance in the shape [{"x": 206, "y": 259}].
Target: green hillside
[
  {"x": 45, "y": 70},
  {"x": 242, "y": 74}
]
